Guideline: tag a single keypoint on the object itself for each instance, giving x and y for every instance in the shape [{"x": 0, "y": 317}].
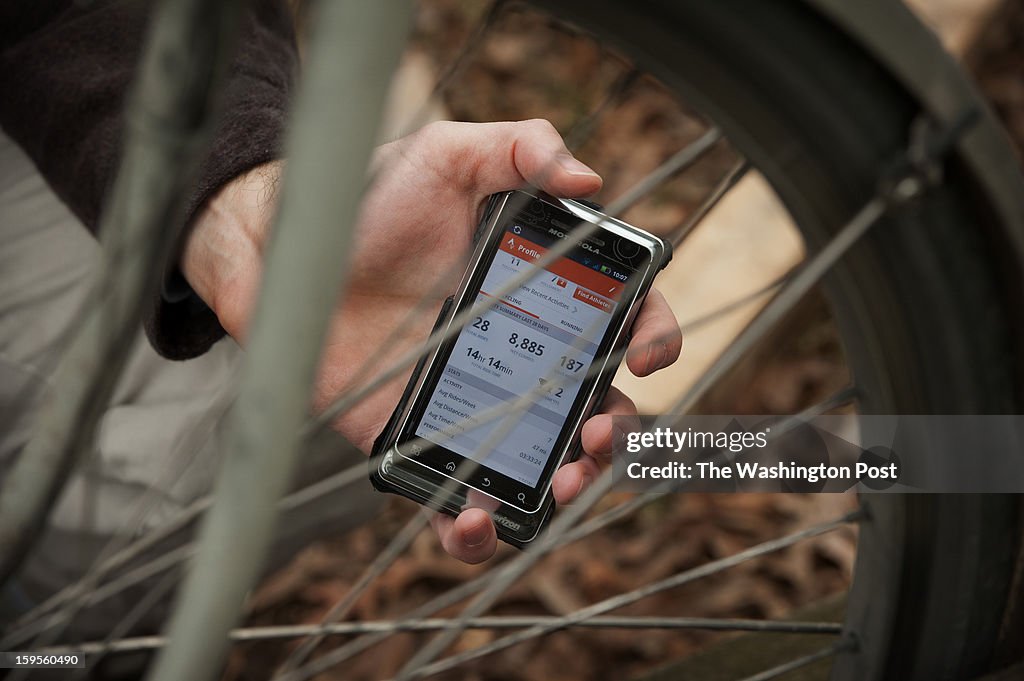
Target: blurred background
[{"x": 529, "y": 67}]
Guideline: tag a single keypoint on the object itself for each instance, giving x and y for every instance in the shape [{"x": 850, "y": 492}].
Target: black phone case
[{"x": 513, "y": 526}]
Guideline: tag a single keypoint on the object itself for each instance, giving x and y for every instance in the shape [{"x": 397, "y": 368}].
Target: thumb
[{"x": 494, "y": 157}]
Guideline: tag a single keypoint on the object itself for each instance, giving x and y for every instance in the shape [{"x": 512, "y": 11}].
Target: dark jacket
[{"x": 65, "y": 68}]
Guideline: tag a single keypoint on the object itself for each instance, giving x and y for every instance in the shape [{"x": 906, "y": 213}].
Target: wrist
[{"x": 221, "y": 258}]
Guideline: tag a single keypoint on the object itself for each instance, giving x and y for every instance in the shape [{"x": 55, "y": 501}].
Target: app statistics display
[{"x": 543, "y": 335}]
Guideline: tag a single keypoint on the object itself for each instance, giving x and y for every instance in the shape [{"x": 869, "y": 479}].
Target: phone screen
[{"x": 544, "y": 337}]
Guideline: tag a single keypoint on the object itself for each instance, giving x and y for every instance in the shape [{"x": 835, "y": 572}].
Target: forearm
[{"x": 65, "y": 69}]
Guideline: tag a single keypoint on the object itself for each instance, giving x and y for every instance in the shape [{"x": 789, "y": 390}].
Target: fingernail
[
  {"x": 574, "y": 167},
  {"x": 475, "y": 536},
  {"x": 585, "y": 481}
]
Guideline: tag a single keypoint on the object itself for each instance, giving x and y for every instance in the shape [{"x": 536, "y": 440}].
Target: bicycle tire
[{"x": 920, "y": 303}]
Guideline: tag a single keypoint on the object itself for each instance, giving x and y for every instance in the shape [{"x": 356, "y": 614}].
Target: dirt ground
[{"x": 802, "y": 364}]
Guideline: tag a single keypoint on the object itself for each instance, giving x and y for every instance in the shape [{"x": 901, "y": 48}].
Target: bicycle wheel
[{"x": 922, "y": 304}]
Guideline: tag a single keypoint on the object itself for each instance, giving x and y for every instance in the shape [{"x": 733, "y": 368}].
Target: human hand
[{"x": 413, "y": 237}]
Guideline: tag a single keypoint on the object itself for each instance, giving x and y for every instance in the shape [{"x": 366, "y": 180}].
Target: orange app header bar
[{"x": 607, "y": 287}]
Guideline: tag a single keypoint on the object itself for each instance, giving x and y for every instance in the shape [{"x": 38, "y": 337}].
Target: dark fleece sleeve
[{"x": 65, "y": 69}]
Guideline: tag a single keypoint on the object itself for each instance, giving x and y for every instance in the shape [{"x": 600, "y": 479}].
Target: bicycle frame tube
[{"x": 355, "y": 49}]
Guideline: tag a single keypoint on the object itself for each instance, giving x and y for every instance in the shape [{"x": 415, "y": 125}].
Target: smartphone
[{"x": 490, "y": 415}]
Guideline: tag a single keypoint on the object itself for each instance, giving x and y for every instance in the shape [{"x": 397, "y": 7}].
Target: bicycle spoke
[
  {"x": 735, "y": 174},
  {"x": 75, "y": 593},
  {"x": 785, "y": 668},
  {"x": 270, "y": 633},
  {"x": 728, "y": 308},
  {"x": 104, "y": 566},
  {"x": 679, "y": 161},
  {"x": 342, "y": 653},
  {"x": 625, "y": 599},
  {"x": 398, "y": 544},
  {"x": 802, "y": 280},
  {"x": 32, "y": 624},
  {"x": 182, "y": 457},
  {"x": 838, "y": 399},
  {"x": 580, "y": 132},
  {"x": 131, "y": 618},
  {"x": 63, "y": 617},
  {"x": 457, "y": 65}
]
